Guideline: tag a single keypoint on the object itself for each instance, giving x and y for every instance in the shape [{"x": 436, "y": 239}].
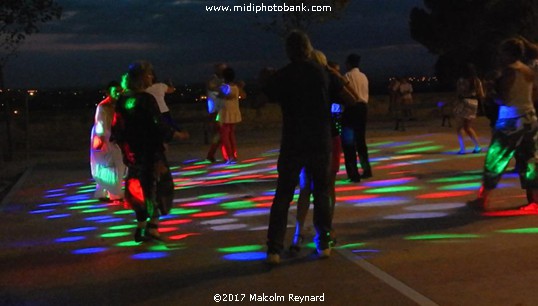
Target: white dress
[{"x": 106, "y": 161}]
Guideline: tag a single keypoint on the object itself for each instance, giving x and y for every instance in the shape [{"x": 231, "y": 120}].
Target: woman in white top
[
  {"x": 230, "y": 114},
  {"x": 469, "y": 90}
]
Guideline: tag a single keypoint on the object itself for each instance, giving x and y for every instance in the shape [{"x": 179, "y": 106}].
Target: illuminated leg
[{"x": 303, "y": 204}]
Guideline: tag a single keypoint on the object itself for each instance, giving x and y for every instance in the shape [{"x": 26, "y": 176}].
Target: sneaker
[
  {"x": 461, "y": 152},
  {"x": 272, "y": 259},
  {"x": 477, "y": 150},
  {"x": 325, "y": 253}
]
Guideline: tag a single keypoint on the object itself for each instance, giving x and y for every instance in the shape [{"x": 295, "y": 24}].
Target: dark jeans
[
  {"x": 354, "y": 143},
  {"x": 289, "y": 168}
]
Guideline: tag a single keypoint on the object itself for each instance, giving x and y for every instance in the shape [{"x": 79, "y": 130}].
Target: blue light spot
[
  {"x": 252, "y": 212},
  {"x": 245, "y": 256},
  {"x": 89, "y": 251},
  {"x": 150, "y": 255},
  {"x": 70, "y": 239},
  {"x": 78, "y": 197},
  {"x": 58, "y": 216},
  {"x": 82, "y": 229},
  {"x": 55, "y": 195},
  {"x": 110, "y": 220},
  {"x": 41, "y": 211},
  {"x": 50, "y": 204},
  {"x": 97, "y": 218}
]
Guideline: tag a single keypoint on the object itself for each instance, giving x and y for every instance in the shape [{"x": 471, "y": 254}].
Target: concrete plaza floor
[{"x": 405, "y": 236}]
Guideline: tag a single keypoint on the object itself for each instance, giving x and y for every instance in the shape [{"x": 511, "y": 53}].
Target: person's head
[
  {"x": 219, "y": 68},
  {"x": 511, "y": 50},
  {"x": 318, "y": 57},
  {"x": 353, "y": 61},
  {"x": 298, "y": 46},
  {"x": 228, "y": 74},
  {"x": 114, "y": 90},
  {"x": 139, "y": 76}
]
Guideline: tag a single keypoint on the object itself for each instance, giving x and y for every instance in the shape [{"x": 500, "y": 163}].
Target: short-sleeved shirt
[{"x": 158, "y": 90}]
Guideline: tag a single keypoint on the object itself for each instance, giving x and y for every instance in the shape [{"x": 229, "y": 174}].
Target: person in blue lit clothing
[
  {"x": 214, "y": 104},
  {"x": 141, "y": 133},
  {"x": 106, "y": 162},
  {"x": 302, "y": 90},
  {"x": 516, "y": 129}
]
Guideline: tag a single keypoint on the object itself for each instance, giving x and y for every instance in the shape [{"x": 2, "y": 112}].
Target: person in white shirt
[
  {"x": 159, "y": 90},
  {"x": 354, "y": 120}
]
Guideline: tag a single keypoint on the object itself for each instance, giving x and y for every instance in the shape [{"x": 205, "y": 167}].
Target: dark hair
[
  {"x": 298, "y": 46},
  {"x": 228, "y": 74},
  {"x": 513, "y": 47},
  {"x": 353, "y": 60}
]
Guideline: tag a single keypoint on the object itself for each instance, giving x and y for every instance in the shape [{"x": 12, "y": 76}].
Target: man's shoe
[
  {"x": 366, "y": 175},
  {"x": 272, "y": 259}
]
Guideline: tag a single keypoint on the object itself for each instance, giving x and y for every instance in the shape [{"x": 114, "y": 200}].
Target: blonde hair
[{"x": 318, "y": 57}]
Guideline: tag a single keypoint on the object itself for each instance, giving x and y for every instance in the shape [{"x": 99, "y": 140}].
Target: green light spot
[
  {"x": 392, "y": 189},
  {"x": 184, "y": 211},
  {"x": 193, "y": 172},
  {"x": 80, "y": 207},
  {"x": 116, "y": 234},
  {"x": 238, "y": 205},
  {"x": 528, "y": 230},
  {"x": 457, "y": 179},
  {"x": 212, "y": 195},
  {"x": 89, "y": 211},
  {"x": 122, "y": 227},
  {"x": 127, "y": 244},
  {"x": 130, "y": 103},
  {"x": 352, "y": 245},
  {"x": 123, "y": 212},
  {"x": 243, "y": 248},
  {"x": 442, "y": 236},
  {"x": 423, "y": 149},
  {"x": 166, "y": 247},
  {"x": 467, "y": 186}
]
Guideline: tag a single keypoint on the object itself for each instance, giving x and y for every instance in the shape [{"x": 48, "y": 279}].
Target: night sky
[{"x": 95, "y": 41}]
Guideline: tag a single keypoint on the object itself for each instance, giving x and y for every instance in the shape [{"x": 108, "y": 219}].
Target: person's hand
[{"x": 181, "y": 135}]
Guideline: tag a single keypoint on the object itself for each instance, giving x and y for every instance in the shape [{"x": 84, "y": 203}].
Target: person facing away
[
  {"x": 230, "y": 114},
  {"x": 516, "y": 129},
  {"x": 140, "y": 132},
  {"x": 469, "y": 90},
  {"x": 214, "y": 104},
  {"x": 354, "y": 120},
  {"x": 339, "y": 95},
  {"x": 159, "y": 90},
  {"x": 106, "y": 162},
  {"x": 302, "y": 90}
]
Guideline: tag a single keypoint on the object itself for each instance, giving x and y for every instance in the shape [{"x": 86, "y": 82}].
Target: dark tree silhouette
[
  {"x": 470, "y": 30},
  {"x": 19, "y": 19}
]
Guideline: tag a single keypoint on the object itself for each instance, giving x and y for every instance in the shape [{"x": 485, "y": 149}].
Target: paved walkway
[{"x": 404, "y": 236}]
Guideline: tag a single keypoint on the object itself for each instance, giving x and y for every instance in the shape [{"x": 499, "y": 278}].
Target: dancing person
[
  {"x": 302, "y": 90},
  {"x": 140, "y": 132},
  {"x": 106, "y": 162},
  {"x": 469, "y": 90},
  {"x": 159, "y": 90},
  {"x": 354, "y": 120},
  {"x": 516, "y": 129},
  {"x": 339, "y": 95},
  {"x": 214, "y": 104},
  {"x": 230, "y": 114}
]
